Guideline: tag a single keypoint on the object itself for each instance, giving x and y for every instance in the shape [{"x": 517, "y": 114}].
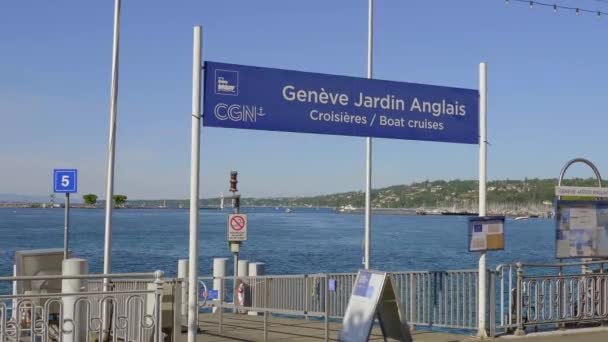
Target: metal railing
[
  {"x": 439, "y": 298},
  {"x": 443, "y": 299},
  {"x": 551, "y": 295},
  {"x": 77, "y": 316}
]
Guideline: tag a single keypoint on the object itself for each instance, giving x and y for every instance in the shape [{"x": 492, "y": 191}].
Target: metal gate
[{"x": 134, "y": 314}]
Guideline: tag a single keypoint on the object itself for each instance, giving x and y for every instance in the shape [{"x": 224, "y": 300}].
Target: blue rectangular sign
[
  {"x": 65, "y": 180},
  {"x": 212, "y": 294},
  {"x": 238, "y": 96}
]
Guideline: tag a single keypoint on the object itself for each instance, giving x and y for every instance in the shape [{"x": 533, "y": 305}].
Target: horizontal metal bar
[
  {"x": 82, "y": 276},
  {"x": 566, "y": 277},
  {"x": 289, "y": 276},
  {"x": 270, "y": 310},
  {"x": 563, "y": 264},
  {"x": 78, "y": 294}
]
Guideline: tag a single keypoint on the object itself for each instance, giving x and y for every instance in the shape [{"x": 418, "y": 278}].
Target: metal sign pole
[
  {"x": 235, "y": 258},
  {"x": 194, "y": 185},
  {"x": 483, "y": 141},
  {"x": 234, "y": 245},
  {"x": 368, "y": 154},
  {"x": 66, "y": 228}
]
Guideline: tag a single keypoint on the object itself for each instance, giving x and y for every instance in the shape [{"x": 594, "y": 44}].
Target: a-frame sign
[{"x": 373, "y": 296}]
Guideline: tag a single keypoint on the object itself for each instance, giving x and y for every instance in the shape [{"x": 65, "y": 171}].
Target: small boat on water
[
  {"x": 288, "y": 210},
  {"x": 347, "y": 208},
  {"x": 521, "y": 218}
]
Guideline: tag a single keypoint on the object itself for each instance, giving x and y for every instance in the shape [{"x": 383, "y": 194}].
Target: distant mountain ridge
[
  {"x": 438, "y": 193},
  {"x": 433, "y": 194},
  {"x": 23, "y": 198}
]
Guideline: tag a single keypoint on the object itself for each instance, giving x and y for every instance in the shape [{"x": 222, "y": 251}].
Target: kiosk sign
[
  {"x": 238, "y": 96},
  {"x": 582, "y": 229}
]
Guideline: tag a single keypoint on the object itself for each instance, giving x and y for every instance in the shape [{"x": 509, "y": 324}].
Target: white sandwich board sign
[{"x": 373, "y": 296}]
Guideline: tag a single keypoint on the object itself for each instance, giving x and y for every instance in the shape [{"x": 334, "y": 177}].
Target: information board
[
  {"x": 582, "y": 229},
  {"x": 486, "y": 233},
  {"x": 373, "y": 296},
  {"x": 239, "y": 96}
]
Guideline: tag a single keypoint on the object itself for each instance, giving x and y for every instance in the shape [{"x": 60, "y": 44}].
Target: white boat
[
  {"x": 347, "y": 208},
  {"x": 519, "y": 218},
  {"x": 288, "y": 210}
]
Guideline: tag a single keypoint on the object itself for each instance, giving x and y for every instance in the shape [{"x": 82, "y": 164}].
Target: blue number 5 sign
[{"x": 65, "y": 180}]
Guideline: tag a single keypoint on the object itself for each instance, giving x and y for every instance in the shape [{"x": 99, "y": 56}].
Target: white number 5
[{"x": 65, "y": 181}]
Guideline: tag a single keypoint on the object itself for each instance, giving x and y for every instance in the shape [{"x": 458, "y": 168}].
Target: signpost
[
  {"x": 247, "y": 97},
  {"x": 65, "y": 181}
]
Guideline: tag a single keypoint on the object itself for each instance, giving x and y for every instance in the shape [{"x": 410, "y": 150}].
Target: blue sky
[{"x": 547, "y": 91}]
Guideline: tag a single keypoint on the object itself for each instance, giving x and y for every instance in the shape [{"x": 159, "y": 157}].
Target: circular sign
[{"x": 237, "y": 223}]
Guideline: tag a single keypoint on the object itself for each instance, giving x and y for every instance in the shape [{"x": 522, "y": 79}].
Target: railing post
[
  {"x": 492, "y": 308},
  {"x": 519, "y": 300},
  {"x": 71, "y": 311},
  {"x": 306, "y": 297},
  {"x": 221, "y": 309},
  {"x": 266, "y": 326},
  {"x": 413, "y": 303},
  {"x": 159, "y": 282},
  {"x": 266, "y": 312},
  {"x": 326, "y": 300}
]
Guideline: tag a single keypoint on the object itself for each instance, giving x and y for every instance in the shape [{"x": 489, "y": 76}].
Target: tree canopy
[
  {"x": 119, "y": 200},
  {"x": 90, "y": 199}
]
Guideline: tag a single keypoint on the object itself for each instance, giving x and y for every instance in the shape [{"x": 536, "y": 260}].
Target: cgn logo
[
  {"x": 226, "y": 82},
  {"x": 237, "y": 112}
]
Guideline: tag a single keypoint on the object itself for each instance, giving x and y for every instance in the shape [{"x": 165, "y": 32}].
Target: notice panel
[
  {"x": 582, "y": 229},
  {"x": 486, "y": 233},
  {"x": 238, "y": 96}
]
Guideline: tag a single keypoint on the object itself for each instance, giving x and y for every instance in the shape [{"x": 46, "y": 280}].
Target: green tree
[
  {"x": 119, "y": 200},
  {"x": 90, "y": 199}
]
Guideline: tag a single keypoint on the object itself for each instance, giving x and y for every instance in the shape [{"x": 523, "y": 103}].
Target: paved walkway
[{"x": 246, "y": 328}]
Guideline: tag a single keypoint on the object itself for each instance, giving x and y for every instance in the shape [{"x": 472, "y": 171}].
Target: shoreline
[{"x": 523, "y": 214}]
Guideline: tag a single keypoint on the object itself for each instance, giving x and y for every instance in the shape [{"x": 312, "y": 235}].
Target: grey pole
[
  {"x": 483, "y": 171},
  {"x": 368, "y": 154},
  {"x": 107, "y": 257},
  {"x": 194, "y": 185},
  {"x": 107, "y": 248},
  {"x": 235, "y": 259},
  {"x": 66, "y": 227}
]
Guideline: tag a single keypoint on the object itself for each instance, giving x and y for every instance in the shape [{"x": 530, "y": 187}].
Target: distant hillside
[
  {"x": 438, "y": 194},
  {"x": 22, "y": 198}
]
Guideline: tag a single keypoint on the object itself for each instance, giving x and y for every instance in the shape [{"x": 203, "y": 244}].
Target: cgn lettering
[{"x": 237, "y": 112}]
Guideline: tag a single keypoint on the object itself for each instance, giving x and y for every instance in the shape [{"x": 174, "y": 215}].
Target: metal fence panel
[
  {"x": 136, "y": 313},
  {"x": 445, "y": 299}
]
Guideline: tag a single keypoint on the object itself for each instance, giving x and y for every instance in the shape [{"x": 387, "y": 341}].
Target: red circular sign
[{"x": 237, "y": 223}]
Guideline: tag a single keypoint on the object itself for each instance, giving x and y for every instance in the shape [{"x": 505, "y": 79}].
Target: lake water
[{"x": 304, "y": 241}]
